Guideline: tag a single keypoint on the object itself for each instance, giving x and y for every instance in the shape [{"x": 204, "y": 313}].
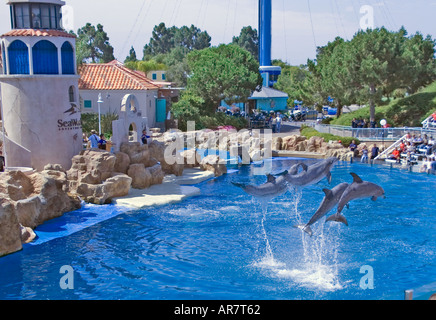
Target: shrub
[{"x": 309, "y": 132}]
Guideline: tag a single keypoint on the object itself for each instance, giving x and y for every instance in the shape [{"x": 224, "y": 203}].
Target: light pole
[
  {"x": 100, "y": 101},
  {"x": 383, "y": 123}
]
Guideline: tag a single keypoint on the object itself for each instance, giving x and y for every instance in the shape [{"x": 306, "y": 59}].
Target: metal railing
[
  {"x": 391, "y": 148},
  {"x": 388, "y": 134}
]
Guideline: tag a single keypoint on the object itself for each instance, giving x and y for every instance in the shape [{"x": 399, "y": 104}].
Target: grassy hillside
[{"x": 405, "y": 112}]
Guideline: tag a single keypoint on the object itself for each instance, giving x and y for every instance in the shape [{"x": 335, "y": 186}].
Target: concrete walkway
[{"x": 172, "y": 190}]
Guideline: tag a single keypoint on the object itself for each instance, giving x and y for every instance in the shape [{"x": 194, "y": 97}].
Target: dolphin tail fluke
[
  {"x": 338, "y": 218},
  {"x": 306, "y": 228}
]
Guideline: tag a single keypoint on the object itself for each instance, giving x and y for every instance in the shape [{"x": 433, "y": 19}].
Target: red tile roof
[
  {"x": 112, "y": 76},
  {"x": 38, "y": 33}
]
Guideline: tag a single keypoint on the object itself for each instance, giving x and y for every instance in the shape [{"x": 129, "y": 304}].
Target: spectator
[
  {"x": 279, "y": 122},
  {"x": 396, "y": 155},
  {"x": 402, "y": 146},
  {"x": 353, "y": 147},
  {"x": 354, "y": 123},
  {"x": 93, "y": 139},
  {"x": 144, "y": 137},
  {"x": 410, "y": 148},
  {"x": 364, "y": 158},
  {"x": 426, "y": 165},
  {"x": 102, "y": 142},
  {"x": 374, "y": 151},
  {"x": 274, "y": 123}
]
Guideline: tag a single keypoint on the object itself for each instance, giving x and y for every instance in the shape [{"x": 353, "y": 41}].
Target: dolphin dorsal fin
[
  {"x": 271, "y": 178},
  {"x": 356, "y": 178},
  {"x": 328, "y": 193}
]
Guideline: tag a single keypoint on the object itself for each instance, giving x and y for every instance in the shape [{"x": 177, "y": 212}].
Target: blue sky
[{"x": 298, "y": 25}]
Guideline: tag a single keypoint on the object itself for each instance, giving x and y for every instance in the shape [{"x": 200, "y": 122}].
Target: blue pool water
[{"x": 225, "y": 245}]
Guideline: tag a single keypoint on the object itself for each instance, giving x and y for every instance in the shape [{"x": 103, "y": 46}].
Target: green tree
[
  {"x": 93, "y": 44},
  {"x": 224, "y": 72},
  {"x": 132, "y": 56},
  {"x": 248, "y": 39},
  {"x": 373, "y": 65},
  {"x": 191, "y": 38},
  {"x": 178, "y": 68},
  {"x": 165, "y": 39},
  {"x": 161, "y": 41},
  {"x": 297, "y": 82}
]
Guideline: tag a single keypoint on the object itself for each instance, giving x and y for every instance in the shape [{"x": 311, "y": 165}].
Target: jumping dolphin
[
  {"x": 330, "y": 200},
  {"x": 274, "y": 187},
  {"x": 357, "y": 190},
  {"x": 312, "y": 174}
]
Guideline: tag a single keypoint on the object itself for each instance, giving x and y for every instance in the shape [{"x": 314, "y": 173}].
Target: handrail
[{"x": 392, "y": 147}]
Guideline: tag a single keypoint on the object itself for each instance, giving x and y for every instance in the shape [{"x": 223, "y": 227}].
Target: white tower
[{"x": 39, "y": 87}]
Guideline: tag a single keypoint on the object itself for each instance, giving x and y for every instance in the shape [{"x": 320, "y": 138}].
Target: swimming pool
[{"x": 224, "y": 245}]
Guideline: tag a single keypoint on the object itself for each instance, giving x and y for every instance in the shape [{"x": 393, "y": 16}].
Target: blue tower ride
[{"x": 269, "y": 73}]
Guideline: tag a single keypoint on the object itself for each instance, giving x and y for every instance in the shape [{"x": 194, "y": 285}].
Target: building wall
[
  {"x": 277, "y": 104},
  {"x": 112, "y": 102},
  {"x": 157, "y": 75},
  {"x": 40, "y": 117}
]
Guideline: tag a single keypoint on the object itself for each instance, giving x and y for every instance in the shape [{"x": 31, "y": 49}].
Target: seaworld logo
[{"x": 73, "y": 124}]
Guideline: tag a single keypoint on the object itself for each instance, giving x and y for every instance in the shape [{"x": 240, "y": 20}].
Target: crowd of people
[
  {"x": 414, "y": 147},
  {"x": 410, "y": 150},
  {"x": 95, "y": 141},
  {"x": 272, "y": 120}
]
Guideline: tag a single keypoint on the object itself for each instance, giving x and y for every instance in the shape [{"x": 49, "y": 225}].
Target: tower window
[
  {"x": 67, "y": 54},
  {"x": 36, "y": 16},
  {"x": 45, "y": 58},
  {"x": 18, "y": 58},
  {"x": 72, "y": 94},
  {"x": 22, "y": 16}
]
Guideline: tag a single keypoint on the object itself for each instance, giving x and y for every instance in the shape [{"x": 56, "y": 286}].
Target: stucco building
[
  {"x": 39, "y": 87},
  {"x": 114, "y": 81}
]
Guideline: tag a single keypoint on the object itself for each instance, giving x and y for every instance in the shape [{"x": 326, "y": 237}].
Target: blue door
[{"x": 161, "y": 110}]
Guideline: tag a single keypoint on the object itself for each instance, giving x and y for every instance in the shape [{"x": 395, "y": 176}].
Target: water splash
[{"x": 318, "y": 266}]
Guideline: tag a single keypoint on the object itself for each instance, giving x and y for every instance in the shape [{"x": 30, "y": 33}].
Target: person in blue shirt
[
  {"x": 145, "y": 137},
  {"x": 93, "y": 138},
  {"x": 102, "y": 142}
]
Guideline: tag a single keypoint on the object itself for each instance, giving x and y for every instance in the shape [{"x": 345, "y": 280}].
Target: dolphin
[
  {"x": 330, "y": 200},
  {"x": 274, "y": 187},
  {"x": 357, "y": 190},
  {"x": 312, "y": 174}
]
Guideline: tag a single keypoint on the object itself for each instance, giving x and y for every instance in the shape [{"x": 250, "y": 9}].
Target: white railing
[
  {"x": 391, "y": 148},
  {"x": 425, "y": 123},
  {"x": 379, "y": 134}
]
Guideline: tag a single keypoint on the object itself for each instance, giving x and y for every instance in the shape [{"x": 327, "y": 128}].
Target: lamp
[{"x": 100, "y": 101}]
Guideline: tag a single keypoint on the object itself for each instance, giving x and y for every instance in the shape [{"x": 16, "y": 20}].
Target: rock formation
[
  {"x": 93, "y": 178},
  {"x": 215, "y": 164},
  {"x": 30, "y": 200}
]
